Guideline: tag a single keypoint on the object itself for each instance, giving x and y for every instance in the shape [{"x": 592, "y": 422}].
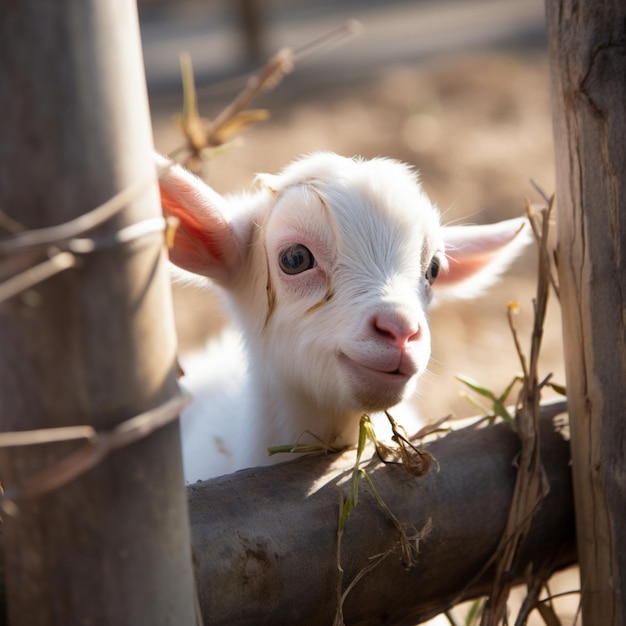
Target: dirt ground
[{"x": 478, "y": 129}]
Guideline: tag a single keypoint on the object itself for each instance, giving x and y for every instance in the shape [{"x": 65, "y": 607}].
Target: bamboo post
[
  {"x": 94, "y": 344},
  {"x": 587, "y": 45}
]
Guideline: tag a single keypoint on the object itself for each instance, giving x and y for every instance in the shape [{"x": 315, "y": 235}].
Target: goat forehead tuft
[
  {"x": 326, "y": 167},
  {"x": 314, "y": 167},
  {"x": 359, "y": 186}
]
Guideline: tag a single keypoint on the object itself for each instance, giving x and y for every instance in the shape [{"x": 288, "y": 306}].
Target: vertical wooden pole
[
  {"x": 587, "y": 45},
  {"x": 251, "y": 23},
  {"x": 94, "y": 345}
]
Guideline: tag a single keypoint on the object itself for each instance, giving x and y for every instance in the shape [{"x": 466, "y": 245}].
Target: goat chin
[{"x": 329, "y": 269}]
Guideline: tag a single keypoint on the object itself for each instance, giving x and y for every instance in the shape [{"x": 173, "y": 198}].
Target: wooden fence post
[
  {"x": 587, "y": 42},
  {"x": 94, "y": 344}
]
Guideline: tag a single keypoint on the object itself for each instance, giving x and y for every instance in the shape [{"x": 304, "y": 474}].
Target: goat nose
[{"x": 397, "y": 328}]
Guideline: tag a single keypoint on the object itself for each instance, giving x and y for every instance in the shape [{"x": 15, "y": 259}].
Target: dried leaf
[
  {"x": 238, "y": 123},
  {"x": 171, "y": 226},
  {"x": 434, "y": 427},
  {"x": 194, "y": 130},
  {"x": 416, "y": 461},
  {"x": 190, "y": 123},
  {"x": 560, "y": 389}
]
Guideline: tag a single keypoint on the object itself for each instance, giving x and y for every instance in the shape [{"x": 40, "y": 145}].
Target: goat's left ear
[{"x": 478, "y": 255}]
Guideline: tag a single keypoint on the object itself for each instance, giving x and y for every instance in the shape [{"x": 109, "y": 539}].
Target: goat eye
[
  {"x": 433, "y": 271},
  {"x": 295, "y": 259}
]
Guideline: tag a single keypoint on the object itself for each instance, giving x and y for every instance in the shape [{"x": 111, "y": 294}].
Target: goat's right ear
[{"x": 205, "y": 242}]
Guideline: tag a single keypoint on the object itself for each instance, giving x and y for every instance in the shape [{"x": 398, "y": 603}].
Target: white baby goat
[{"x": 328, "y": 269}]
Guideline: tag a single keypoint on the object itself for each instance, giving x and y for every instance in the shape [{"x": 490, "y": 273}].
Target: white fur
[
  {"x": 213, "y": 424},
  {"x": 347, "y": 336}
]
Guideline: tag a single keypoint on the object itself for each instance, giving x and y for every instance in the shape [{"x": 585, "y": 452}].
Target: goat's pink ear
[
  {"x": 205, "y": 242},
  {"x": 478, "y": 255}
]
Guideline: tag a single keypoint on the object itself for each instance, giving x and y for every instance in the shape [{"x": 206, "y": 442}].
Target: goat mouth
[
  {"x": 376, "y": 389},
  {"x": 401, "y": 375}
]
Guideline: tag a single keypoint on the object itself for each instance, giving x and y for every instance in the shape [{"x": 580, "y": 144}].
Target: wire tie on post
[{"x": 98, "y": 446}]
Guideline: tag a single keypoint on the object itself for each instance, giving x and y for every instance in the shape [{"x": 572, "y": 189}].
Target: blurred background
[{"x": 458, "y": 89}]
